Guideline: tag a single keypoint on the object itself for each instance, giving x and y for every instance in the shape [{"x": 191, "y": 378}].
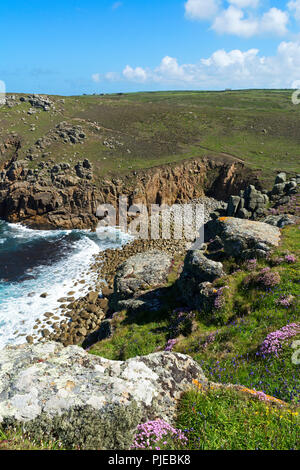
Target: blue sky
[{"x": 76, "y": 46}]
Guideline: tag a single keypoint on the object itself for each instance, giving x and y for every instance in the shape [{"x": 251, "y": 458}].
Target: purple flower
[
  {"x": 272, "y": 344},
  {"x": 290, "y": 259},
  {"x": 220, "y": 298},
  {"x": 152, "y": 432},
  {"x": 170, "y": 344}
]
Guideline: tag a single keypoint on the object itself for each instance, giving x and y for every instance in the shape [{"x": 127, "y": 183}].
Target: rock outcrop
[
  {"x": 87, "y": 401},
  {"x": 58, "y": 195},
  {"x": 244, "y": 238},
  {"x": 141, "y": 273},
  {"x": 195, "y": 280},
  {"x": 252, "y": 203}
]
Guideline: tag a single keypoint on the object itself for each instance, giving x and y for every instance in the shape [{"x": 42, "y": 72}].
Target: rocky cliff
[{"x": 61, "y": 196}]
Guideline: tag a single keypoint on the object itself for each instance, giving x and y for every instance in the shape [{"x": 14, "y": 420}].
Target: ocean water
[{"x": 33, "y": 262}]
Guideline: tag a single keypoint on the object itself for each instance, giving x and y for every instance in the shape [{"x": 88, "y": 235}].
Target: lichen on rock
[{"x": 88, "y": 401}]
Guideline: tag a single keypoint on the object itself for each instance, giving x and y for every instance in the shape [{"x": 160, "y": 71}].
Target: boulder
[
  {"x": 280, "y": 220},
  {"x": 195, "y": 280},
  {"x": 280, "y": 178},
  {"x": 84, "y": 400},
  {"x": 244, "y": 238},
  {"x": 140, "y": 273},
  {"x": 197, "y": 265}
]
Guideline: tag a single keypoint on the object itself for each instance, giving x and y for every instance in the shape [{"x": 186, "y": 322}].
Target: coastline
[{"x": 76, "y": 317}]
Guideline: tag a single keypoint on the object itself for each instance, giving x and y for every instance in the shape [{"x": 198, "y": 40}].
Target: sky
[{"x": 86, "y": 46}]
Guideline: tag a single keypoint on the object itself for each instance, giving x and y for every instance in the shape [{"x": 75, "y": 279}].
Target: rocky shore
[{"x": 87, "y": 319}]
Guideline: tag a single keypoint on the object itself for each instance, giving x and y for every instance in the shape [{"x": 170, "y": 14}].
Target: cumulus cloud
[
  {"x": 274, "y": 21},
  {"x": 294, "y": 7},
  {"x": 222, "y": 59},
  {"x": 234, "y": 69},
  {"x": 201, "y": 9},
  {"x": 232, "y": 21},
  {"x": 243, "y": 18},
  {"x": 136, "y": 75}
]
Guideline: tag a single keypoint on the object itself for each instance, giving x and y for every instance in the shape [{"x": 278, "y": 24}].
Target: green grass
[
  {"x": 136, "y": 337},
  {"x": 257, "y": 126},
  {"x": 248, "y": 317},
  {"x": 16, "y": 440},
  {"x": 225, "y": 419}
]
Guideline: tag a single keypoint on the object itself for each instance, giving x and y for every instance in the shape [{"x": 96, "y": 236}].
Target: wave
[{"x": 35, "y": 262}]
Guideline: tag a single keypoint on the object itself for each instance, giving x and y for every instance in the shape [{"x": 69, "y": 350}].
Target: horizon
[
  {"x": 152, "y": 91},
  {"x": 128, "y": 46}
]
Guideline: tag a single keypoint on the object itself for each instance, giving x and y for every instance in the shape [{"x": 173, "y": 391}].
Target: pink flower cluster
[
  {"x": 268, "y": 278},
  {"x": 290, "y": 259},
  {"x": 273, "y": 342},
  {"x": 150, "y": 434},
  {"x": 285, "y": 301},
  {"x": 251, "y": 264},
  {"x": 170, "y": 344}
]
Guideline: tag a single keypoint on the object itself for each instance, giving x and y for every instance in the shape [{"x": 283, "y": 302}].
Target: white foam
[{"x": 19, "y": 312}]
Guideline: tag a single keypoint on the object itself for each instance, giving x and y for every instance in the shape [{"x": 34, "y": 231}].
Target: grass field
[{"x": 260, "y": 127}]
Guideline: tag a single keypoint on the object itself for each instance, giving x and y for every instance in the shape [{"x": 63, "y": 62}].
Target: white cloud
[
  {"x": 136, "y": 75},
  {"x": 294, "y": 7},
  {"x": 274, "y": 21},
  {"x": 231, "y": 21},
  {"x": 233, "y": 69},
  {"x": 201, "y": 9},
  {"x": 239, "y": 19},
  {"x": 222, "y": 58}
]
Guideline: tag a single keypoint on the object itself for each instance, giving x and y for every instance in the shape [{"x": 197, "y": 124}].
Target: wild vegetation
[
  {"x": 126, "y": 132},
  {"x": 248, "y": 338}
]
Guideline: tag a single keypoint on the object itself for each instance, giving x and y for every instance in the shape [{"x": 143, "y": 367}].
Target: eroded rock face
[
  {"x": 244, "y": 238},
  {"x": 57, "y": 195},
  {"x": 87, "y": 401}
]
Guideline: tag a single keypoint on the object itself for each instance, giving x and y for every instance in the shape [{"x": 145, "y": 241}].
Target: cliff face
[{"x": 58, "y": 196}]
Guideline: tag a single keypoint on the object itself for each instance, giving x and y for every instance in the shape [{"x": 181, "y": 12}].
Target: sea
[{"x": 34, "y": 262}]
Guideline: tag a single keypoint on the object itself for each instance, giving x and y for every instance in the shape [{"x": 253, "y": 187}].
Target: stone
[
  {"x": 280, "y": 220},
  {"x": 233, "y": 205},
  {"x": 196, "y": 277},
  {"x": 140, "y": 273},
  {"x": 280, "y": 178},
  {"x": 244, "y": 238},
  {"x": 84, "y": 400},
  {"x": 197, "y": 265}
]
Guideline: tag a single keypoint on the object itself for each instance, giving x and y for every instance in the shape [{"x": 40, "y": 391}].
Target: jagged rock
[
  {"x": 250, "y": 204},
  {"x": 38, "y": 101},
  {"x": 84, "y": 400},
  {"x": 197, "y": 275},
  {"x": 244, "y": 238}
]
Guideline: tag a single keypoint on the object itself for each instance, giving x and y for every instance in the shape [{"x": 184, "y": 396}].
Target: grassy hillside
[
  {"x": 227, "y": 344},
  {"x": 141, "y": 130}
]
